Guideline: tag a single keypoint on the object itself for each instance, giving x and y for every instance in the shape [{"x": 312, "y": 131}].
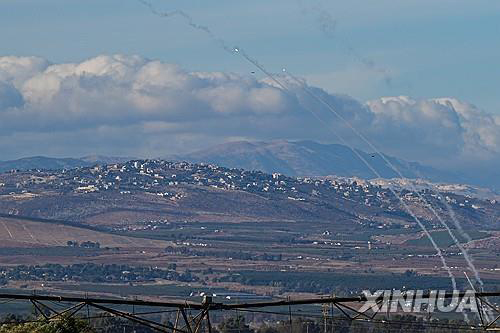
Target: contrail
[{"x": 222, "y": 44}]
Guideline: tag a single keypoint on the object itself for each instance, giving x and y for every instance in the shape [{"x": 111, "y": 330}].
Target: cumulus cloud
[
  {"x": 9, "y": 96},
  {"x": 439, "y": 128},
  {"x": 130, "y": 105},
  {"x": 19, "y": 69}
]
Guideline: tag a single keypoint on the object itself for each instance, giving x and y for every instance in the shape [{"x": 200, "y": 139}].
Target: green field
[{"x": 443, "y": 239}]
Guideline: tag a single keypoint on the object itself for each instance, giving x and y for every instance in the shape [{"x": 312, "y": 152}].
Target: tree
[
  {"x": 234, "y": 325},
  {"x": 66, "y": 325}
]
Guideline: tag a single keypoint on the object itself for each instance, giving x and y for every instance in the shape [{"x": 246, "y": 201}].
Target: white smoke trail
[
  {"x": 451, "y": 212},
  {"x": 462, "y": 232},
  {"x": 467, "y": 237}
]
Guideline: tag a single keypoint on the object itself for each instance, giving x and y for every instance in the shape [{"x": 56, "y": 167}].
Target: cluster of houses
[{"x": 163, "y": 178}]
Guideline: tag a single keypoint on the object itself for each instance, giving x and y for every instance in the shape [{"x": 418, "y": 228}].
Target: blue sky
[{"x": 426, "y": 48}]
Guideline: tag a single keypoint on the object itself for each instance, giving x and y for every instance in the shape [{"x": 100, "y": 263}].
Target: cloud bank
[{"x": 129, "y": 105}]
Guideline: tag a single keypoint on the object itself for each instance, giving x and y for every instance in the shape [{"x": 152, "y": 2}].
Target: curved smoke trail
[{"x": 189, "y": 20}]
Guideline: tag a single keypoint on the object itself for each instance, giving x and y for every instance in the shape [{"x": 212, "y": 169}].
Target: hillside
[{"x": 180, "y": 191}]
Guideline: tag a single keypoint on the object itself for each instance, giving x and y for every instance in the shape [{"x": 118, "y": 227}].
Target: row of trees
[
  {"x": 238, "y": 324},
  {"x": 89, "y": 272},
  {"x": 239, "y": 255},
  {"x": 334, "y": 282}
]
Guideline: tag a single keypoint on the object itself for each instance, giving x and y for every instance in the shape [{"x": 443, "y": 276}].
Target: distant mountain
[
  {"x": 292, "y": 158},
  {"x": 41, "y": 162},
  {"x": 50, "y": 163},
  {"x": 101, "y": 159},
  {"x": 309, "y": 158}
]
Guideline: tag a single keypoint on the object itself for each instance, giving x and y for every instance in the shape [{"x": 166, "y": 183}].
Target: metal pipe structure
[{"x": 345, "y": 305}]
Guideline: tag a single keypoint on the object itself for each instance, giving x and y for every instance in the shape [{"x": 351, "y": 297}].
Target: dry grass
[{"x": 23, "y": 233}]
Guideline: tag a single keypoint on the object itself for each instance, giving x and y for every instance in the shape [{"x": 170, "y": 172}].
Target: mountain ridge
[
  {"x": 309, "y": 158},
  {"x": 293, "y": 158}
]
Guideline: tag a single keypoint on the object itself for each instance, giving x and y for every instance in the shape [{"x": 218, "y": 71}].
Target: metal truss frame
[{"x": 187, "y": 324}]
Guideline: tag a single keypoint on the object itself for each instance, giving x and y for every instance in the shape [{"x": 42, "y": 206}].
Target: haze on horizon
[{"x": 111, "y": 78}]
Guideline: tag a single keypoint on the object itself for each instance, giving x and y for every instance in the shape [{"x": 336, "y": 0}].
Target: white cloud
[
  {"x": 9, "y": 96},
  {"x": 441, "y": 127},
  {"x": 360, "y": 80},
  {"x": 135, "y": 106},
  {"x": 18, "y": 69}
]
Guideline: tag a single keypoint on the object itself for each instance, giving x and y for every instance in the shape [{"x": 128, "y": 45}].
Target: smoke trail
[
  {"x": 464, "y": 234},
  {"x": 328, "y": 25},
  {"x": 407, "y": 208},
  {"x": 189, "y": 20},
  {"x": 466, "y": 255},
  {"x": 461, "y": 231},
  {"x": 326, "y": 22}
]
